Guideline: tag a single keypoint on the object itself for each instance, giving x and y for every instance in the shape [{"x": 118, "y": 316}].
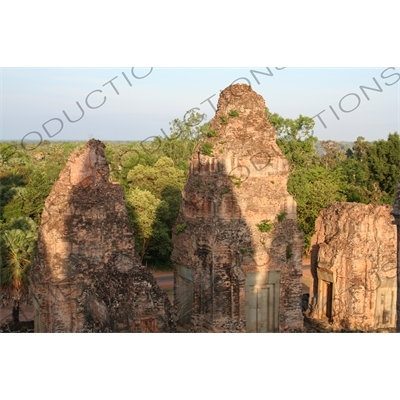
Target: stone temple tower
[
  {"x": 85, "y": 276},
  {"x": 396, "y": 214},
  {"x": 237, "y": 249},
  {"x": 353, "y": 264}
]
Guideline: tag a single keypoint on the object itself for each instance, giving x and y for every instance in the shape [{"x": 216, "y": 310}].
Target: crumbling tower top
[
  {"x": 246, "y": 112},
  {"x": 87, "y": 167}
]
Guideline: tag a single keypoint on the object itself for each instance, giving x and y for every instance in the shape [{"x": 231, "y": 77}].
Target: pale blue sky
[{"x": 32, "y": 96}]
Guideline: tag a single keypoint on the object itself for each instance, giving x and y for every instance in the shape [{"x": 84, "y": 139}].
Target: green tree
[
  {"x": 295, "y": 138},
  {"x": 383, "y": 159},
  {"x": 357, "y": 181},
  {"x": 333, "y": 153},
  {"x": 18, "y": 243},
  {"x": 142, "y": 208},
  {"x": 372, "y": 170},
  {"x": 155, "y": 179},
  {"x": 314, "y": 188},
  {"x": 40, "y": 182},
  {"x": 123, "y": 157},
  {"x": 185, "y": 138},
  {"x": 12, "y": 183},
  {"x": 160, "y": 245},
  {"x": 164, "y": 182},
  {"x": 7, "y": 152},
  {"x": 360, "y": 148}
]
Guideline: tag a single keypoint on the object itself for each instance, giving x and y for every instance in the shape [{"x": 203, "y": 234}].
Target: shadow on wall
[
  {"x": 353, "y": 265},
  {"x": 237, "y": 253},
  {"x": 85, "y": 277},
  {"x": 237, "y": 249}
]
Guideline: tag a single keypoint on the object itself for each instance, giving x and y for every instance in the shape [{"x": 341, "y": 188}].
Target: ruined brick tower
[
  {"x": 237, "y": 249},
  {"x": 353, "y": 263},
  {"x": 85, "y": 276},
  {"x": 396, "y": 214}
]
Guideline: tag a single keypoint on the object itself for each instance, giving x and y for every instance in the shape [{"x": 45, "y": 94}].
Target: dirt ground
[{"x": 26, "y": 314}]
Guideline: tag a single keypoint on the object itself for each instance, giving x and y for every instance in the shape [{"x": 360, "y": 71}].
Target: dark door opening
[{"x": 329, "y": 295}]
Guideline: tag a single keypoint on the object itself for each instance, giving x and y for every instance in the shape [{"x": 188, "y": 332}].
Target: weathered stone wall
[
  {"x": 353, "y": 264},
  {"x": 85, "y": 276},
  {"x": 396, "y": 214},
  {"x": 230, "y": 276}
]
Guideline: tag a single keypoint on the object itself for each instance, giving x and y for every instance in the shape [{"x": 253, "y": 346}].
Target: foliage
[
  {"x": 358, "y": 183},
  {"x": 265, "y": 225},
  {"x": 207, "y": 149},
  {"x": 233, "y": 113},
  {"x": 12, "y": 186},
  {"x": 160, "y": 244},
  {"x": 372, "y": 170},
  {"x": 333, "y": 153},
  {"x": 295, "y": 138},
  {"x": 314, "y": 188},
  {"x": 38, "y": 188},
  {"x": 225, "y": 191},
  {"x": 142, "y": 208},
  {"x": 122, "y": 157},
  {"x": 27, "y": 178},
  {"x": 236, "y": 181},
  {"x": 289, "y": 251},
  {"x": 180, "y": 228},
  {"x": 164, "y": 182},
  {"x": 17, "y": 243},
  {"x": 156, "y": 178},
  {"x": 282, "y": 216},
  {"x": 383, "y": 159},
  {"x": 367, "y": 173},
  {"x": 7, "y": 151},
  {"x": 185, "y": 138}
]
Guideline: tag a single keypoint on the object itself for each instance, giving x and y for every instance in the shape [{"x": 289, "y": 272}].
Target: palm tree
[{"x": 18, "y": 243}]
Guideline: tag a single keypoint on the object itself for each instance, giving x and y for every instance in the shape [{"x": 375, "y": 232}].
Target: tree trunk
[{"x": 15, "y": 313}]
